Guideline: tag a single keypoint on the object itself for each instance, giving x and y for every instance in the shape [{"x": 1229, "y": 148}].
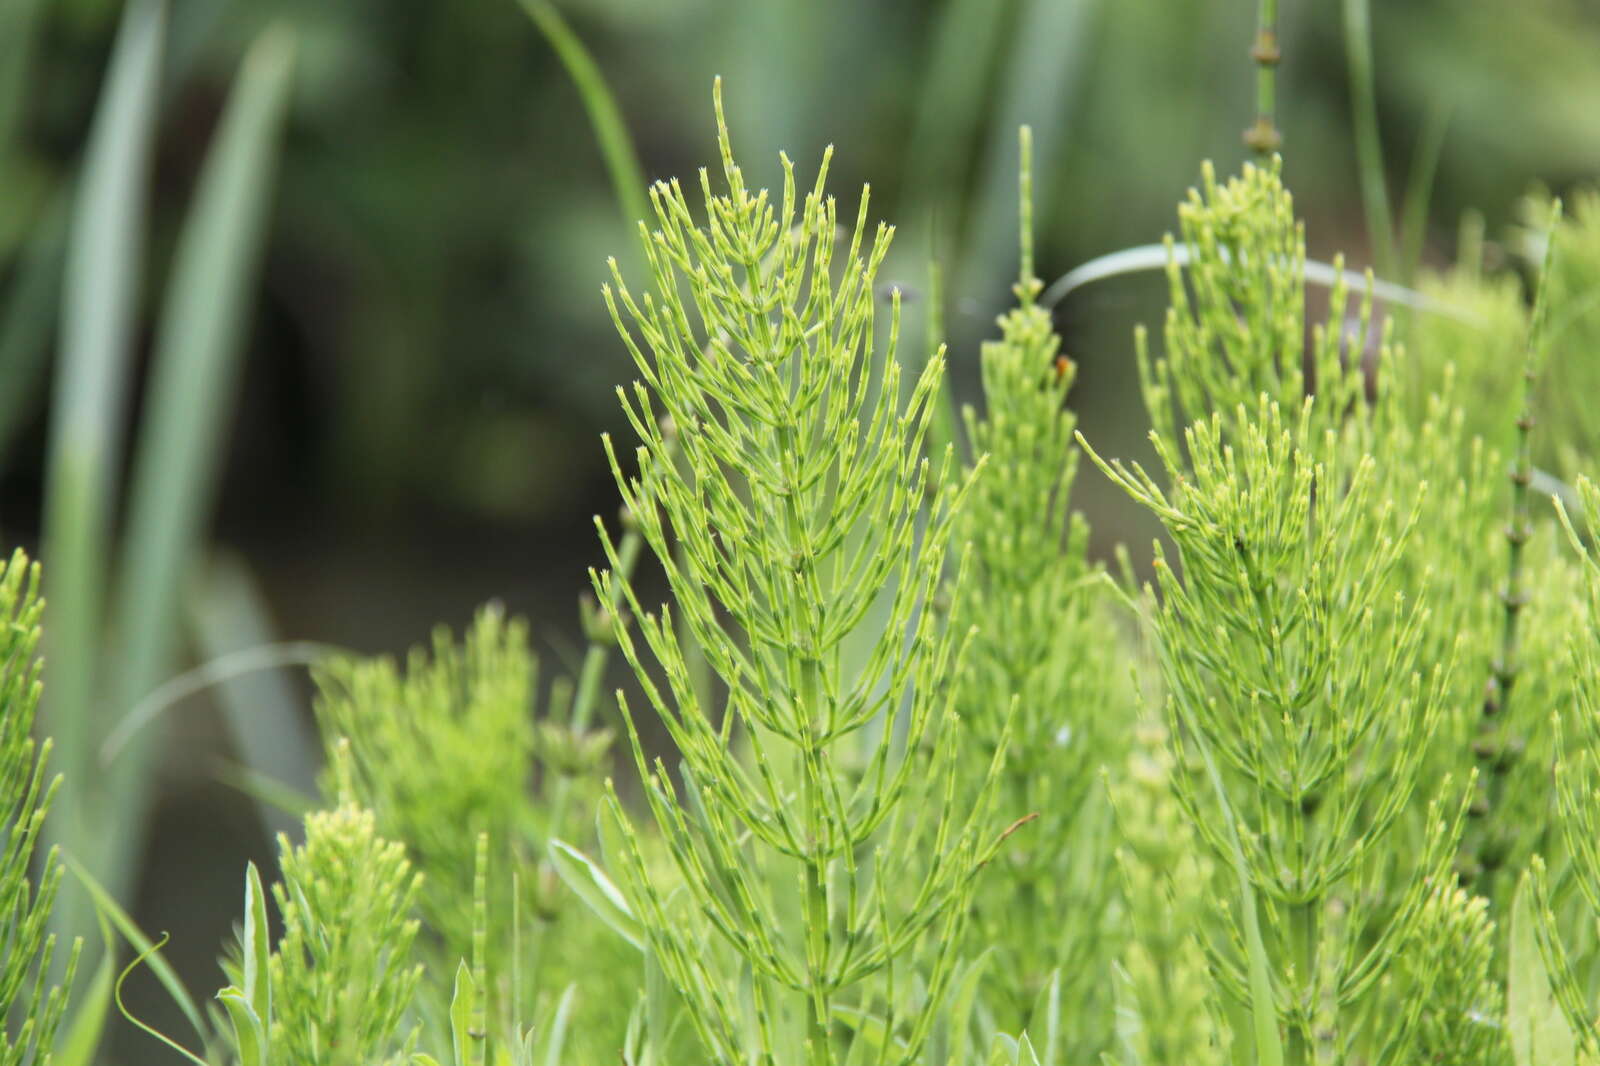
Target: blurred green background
[{"x": 425, "y": 359}]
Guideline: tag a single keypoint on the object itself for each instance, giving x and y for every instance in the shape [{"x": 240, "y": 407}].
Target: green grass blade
[
  {"x": 462, "y": 1009},
  {"x": 257, "y": 944},
  {"x": 622, "y": 161},
  {"x": 98, "y": 306},
  {"x": 556, "y": 1033},
  {"x": 590, "y": 884},
  {"x": 1369, "y": 147},
  {"x": 197, "y": 351},
  {"x": 945, "y": 130},
  {"x": 249, "y": 1029},
  {"x": 131, "y": 932},
  {"x": 1419, "y": 190}
]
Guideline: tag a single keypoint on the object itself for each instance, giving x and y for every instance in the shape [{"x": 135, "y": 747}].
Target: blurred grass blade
[
  {"x": 198, "y": 344},
  {"x": 217, "y": 672},
  {"x": 1419, "y": 190},
  {"x": 98, "y": 303},
  {"x": 25, "y": 321},
  {"x": 1152, "y": 257},
  {"x": 556, "y": 1032},
  {"x": 622, "y": 161},
  {"x": 108, "y": 908},
  {"x": 1369, "y": 147},
  {"x": 1538, "y": 1029},
  {"x": 951, "y": 109},
  {"x": 261, "y": 708},
  {"x": 269, "y": 792}
]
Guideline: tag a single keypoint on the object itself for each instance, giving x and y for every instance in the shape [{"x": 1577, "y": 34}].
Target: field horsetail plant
[
  {"x": 822, "y": 886},
  {"x": 911, "y": 777}
]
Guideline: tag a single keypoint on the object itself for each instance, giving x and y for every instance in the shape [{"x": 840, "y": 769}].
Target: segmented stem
[
  {"x": 1263, "y": 137},
  {"x": 1494, "y": 749}
]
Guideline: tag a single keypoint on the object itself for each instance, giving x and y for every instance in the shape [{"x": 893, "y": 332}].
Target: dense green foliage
[
  {"x": 31, "y": 1002},
  {"x": 936, "y": 787}
]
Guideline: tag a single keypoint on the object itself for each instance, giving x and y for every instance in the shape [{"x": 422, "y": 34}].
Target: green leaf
[
  {"x": 556, "y": 1038},
  {"x": 257, "y": 947},
  {"x": 1539, "y": 1032},
  {"x": 105, "y": 245},
  {"x": 462, "y": 1007},
  {"x": 249, "y": 1034},
  {"x": 198, "y": 343},
  {"x": 590, "y": 884}
]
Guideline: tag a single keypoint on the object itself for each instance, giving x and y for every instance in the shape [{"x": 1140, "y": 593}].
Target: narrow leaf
[
  {"x": 1540, "y": 1035},
  {"x": 197, "y": 347},
  {"x": 590, "y": 884},
  {"x": 249, "y": 1034},
  {"x": 257, "y": 946},
  {"x": 100, "y": 289}
]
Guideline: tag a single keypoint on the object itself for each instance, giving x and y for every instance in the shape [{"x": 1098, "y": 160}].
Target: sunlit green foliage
[
  {"x": 341, "y": 975},
  {"x": 440, "y": 751},
  {"x": 938, "y": 790},
  {"x": 1291, "y": 653},
  {"x": 798, "y": 500},
  {"x": 446, "y": 753},
  {"x": 1448, "y": 978}
]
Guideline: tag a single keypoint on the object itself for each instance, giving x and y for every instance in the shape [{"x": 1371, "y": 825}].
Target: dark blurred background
[{"x": 429, "y": 362}]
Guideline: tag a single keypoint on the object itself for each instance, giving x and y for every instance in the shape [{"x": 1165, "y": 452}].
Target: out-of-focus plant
[
  {"x": 113, "y": 632},
  {"x": 446, "y": 753},
  {"x": 1043, "y": 668}
]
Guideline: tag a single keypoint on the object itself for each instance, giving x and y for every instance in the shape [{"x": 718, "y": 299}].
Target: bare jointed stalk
[{"x": 1263, "y": 137}]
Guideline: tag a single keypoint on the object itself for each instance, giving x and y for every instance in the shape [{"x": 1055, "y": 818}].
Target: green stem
[
  {"x": 1303, "y": 944},
  {"x": 816, "y": 900},
  {"x": 1369, "y": 149},
  {"x": 1494, "y": 749},
  {"x": 1263, "y": 137},
  {"x": 480, "y": 937},
  {"x": 805, "y": 664}
]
